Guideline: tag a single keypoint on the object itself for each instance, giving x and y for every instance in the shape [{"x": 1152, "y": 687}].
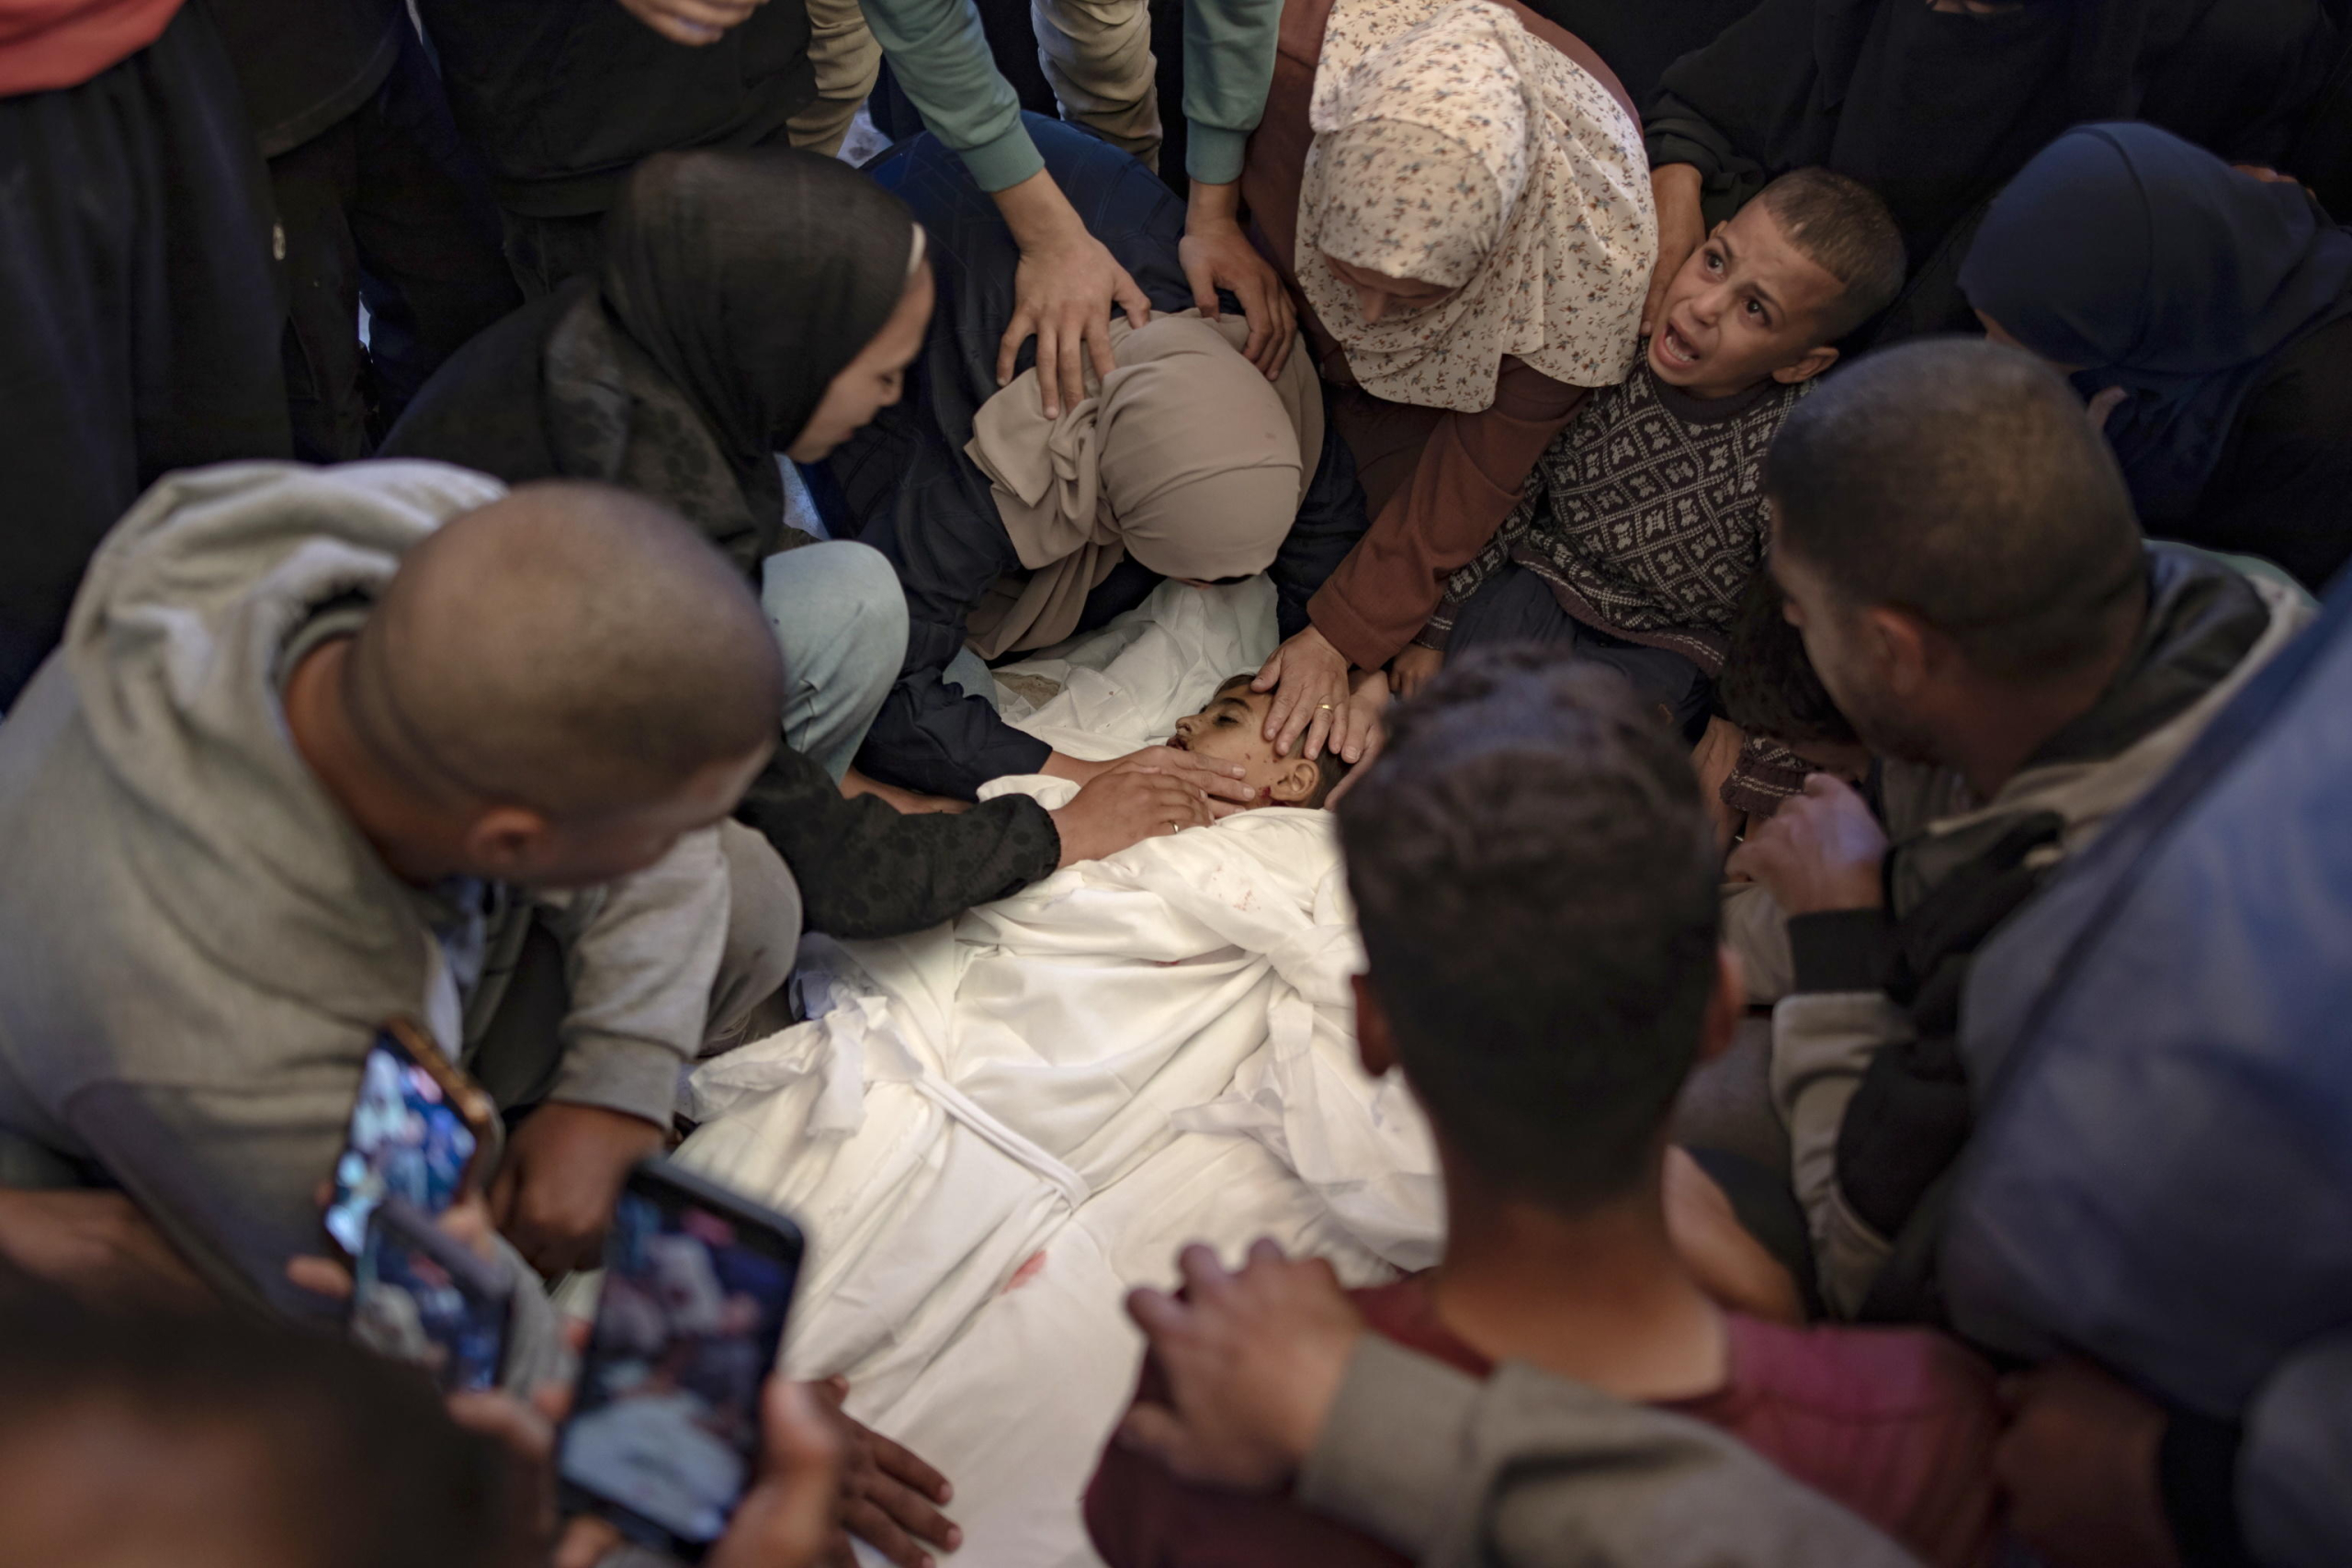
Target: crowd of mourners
[{"x": 1822, "y": 509}]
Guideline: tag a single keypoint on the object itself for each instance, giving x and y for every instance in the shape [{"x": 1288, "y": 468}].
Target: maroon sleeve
[
  {"x": 1140, "y": 1516},
  {"x": 1896, "y": 1423}
]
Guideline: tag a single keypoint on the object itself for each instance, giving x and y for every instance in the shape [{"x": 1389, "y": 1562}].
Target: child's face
[
  {"x": 1747, "y": 305},
  {"x": 1232, "y": 729}
]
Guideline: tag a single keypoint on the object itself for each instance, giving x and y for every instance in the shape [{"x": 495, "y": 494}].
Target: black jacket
[
  {"x": 905, "y": 488},
  {"x": 304, "y": 64},
  {"x": 561, "y": 99}
]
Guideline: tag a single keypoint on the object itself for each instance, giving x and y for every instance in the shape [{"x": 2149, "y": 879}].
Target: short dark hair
[
  {"x": 1847, "y": 231},
  {"x": 1768, "y": 685},
  {"x": 360, "y": 1465},
  {"x": 1958, "y": 479},
  {"x": 1536, "y": 886},
  {"x": 1331, "y": 766}
]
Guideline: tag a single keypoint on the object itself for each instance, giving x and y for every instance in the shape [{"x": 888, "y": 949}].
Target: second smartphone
[{"x": 665, "y": 1424}]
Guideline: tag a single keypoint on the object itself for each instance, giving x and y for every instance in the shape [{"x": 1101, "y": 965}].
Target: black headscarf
[
  {"x": 751, "y": 279},
  {"x": 2157, "y": 268},
  {"x": 738, "y": 285}
]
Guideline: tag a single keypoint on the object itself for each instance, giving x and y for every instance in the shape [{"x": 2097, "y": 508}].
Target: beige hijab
[
  {"x": 1454, "y": 146},
  {"x": 1184, "y": 457}
]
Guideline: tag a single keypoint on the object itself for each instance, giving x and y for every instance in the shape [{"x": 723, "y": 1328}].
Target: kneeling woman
[
  {"x": 752, "y": 303},
  {"x": 1010, "y": 531},
  {"x": 1457, "y": 193}
]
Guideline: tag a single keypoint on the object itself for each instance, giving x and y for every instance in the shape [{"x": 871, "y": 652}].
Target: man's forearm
[
  {"x": 1228, "y": 66},
  {"x": 1039, "y": 215},
  {"x": 940, "y": 56}
]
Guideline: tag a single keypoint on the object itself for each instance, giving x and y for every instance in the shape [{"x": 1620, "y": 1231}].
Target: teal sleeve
[
  {"x": 941, "y": 58},
  {"x": 1228, "y": 64}
]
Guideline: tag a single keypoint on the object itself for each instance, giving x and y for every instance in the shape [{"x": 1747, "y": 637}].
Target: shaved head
[{"x": 574, "y": 648}]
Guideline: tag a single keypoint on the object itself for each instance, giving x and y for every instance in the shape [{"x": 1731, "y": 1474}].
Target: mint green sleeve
[
  {"x": 940, "y": 57},
  {"x": 1228, "y": 64}
]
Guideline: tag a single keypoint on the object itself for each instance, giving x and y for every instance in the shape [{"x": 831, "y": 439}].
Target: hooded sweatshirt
[{"x": 201, "y": 945}]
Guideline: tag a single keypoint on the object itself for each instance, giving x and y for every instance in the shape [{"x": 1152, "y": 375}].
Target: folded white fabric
[{"x": 993, "y": 1129}]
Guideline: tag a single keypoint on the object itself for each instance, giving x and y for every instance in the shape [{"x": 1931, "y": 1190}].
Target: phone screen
[
  {"x": 666, "y": 1425},
  {"x": 417, "y": 1297},
  {"x": 405, "y": 1139}
]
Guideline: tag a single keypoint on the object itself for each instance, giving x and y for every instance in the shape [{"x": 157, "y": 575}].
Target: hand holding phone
[
  {"x": 665, "y": 1423},
  {"x": 422, "y": 1295},
  {"x": 419, "y": 1130}
]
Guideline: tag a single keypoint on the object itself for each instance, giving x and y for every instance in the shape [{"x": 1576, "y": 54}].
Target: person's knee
[
  {"x": 837, "y": 607},
  {"x": 763, "y": 936}
]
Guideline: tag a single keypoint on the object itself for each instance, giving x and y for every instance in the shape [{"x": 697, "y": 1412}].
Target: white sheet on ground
[{"x": 993, "y": 1129}]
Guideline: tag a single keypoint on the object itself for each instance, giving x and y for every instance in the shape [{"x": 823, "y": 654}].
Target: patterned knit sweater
[{"x": 1646, "y": 515}]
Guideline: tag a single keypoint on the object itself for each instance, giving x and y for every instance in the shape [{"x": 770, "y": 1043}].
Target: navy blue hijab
[{"x": 2159, "y": 269}]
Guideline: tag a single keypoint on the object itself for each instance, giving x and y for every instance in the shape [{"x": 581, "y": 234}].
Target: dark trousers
[
  {"x": 383, "y": 207},
  {"x": 1516, "y": 605},
  {"x": 139, "y": 311}
]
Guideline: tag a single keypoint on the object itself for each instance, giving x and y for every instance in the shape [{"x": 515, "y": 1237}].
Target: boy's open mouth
[{"x": 1674, "y": 348}]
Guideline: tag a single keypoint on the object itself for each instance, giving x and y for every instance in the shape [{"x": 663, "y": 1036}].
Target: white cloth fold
[{"x": 998, "y": 1127}]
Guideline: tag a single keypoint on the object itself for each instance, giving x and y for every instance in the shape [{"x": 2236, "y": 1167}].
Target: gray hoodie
[{"x": 198, "y": 945}]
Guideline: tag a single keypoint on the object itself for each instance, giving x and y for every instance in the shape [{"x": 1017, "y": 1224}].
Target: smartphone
[
  {"x": 421, "y": 1295},
  {"x": 665, "y": 1420},
  {"x": 419, "y": 1130}
]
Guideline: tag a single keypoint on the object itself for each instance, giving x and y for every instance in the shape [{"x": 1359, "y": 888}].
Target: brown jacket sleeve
[
  {"x": 1474, "y": 467},
  {"x": 1468, "y": 479}
]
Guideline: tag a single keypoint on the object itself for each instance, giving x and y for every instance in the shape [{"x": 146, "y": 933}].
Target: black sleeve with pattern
[{"x": 867, "y": 870}]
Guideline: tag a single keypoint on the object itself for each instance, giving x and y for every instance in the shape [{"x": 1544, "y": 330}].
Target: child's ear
[
  {"x": 1296, "y": 782},
  {"x": 1814, "y": 362}
]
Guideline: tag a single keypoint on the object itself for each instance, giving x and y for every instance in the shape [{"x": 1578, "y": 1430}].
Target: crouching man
[{"x": 324, "y": 747}]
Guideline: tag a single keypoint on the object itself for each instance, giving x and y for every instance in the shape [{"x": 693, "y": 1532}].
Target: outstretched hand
[
  {"x": 790, "y": 1518},
  {"x": 1216, "y": 253},
  {"x": 1063, "y": 292},
  {"x": 1126, "y": 806},
  {"x": 1253, "y": 1360},
  {"x": 1362, "y": 728},
  {"x": 1821, "y": 850},
  {"x": 890, "y": 1498},
  {"x": 1310, "y": 678},
  {"x": 554, "y": 1192}
]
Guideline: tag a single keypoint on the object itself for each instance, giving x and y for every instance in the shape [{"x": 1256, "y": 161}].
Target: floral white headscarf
[{"x": 1455, "y": 147}]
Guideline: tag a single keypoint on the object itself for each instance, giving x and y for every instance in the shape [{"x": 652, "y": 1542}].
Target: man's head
[
  {"x": 1770, "y": 292},
  {"x": 1536, "y": 882},
  {"x": 1952, "y": 534},
  {"x": 563, "y": 683},
  {"x": 170, "y": 1441},
  {"x": 1231, "y": 728}
]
